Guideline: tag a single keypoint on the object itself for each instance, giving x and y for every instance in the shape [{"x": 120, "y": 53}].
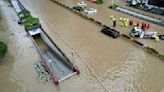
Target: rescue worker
[
  {"x": 124, "y": 22},
  {"x": 127, "y": 22},
  {"x": 111, "y": 17},
  {"x": 157, "y": 39},
  {"x": 121, "y": 21},
  {"x": 143, "y": 26},
  {"x": 120, "y": 18},
  {"x": 114, "y": 22},
  {"x": 138, "y": 24},
  {"x": 131, "y": 22},
  {"x": 134, "y": 25},
  {"x": 148, "y": 26}
]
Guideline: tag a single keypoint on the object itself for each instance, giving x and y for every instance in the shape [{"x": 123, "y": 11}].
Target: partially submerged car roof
[{"x": 108, "y": 28}]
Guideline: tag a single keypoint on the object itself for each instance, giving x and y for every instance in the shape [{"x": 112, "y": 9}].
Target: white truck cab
[{"x": 138, "y": 32}]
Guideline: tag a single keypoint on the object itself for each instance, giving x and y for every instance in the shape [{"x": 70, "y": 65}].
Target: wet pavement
[{"x": 120, "y": 65}]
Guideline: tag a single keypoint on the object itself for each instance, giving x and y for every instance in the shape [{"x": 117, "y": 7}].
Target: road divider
[
  {"x": 137, "y": 42},
  {"x": 126, "y": 36},
  {"x": 151, "y": 50},
  {"x": 92, "y": 19},
  {"x": 99, "y": 23}
]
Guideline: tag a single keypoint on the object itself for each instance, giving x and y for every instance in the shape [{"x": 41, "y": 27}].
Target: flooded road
[
  {"x": 17, "y": 72},
  {"x": 120, "y": 65},
  {"x": 103, "y": 15}
]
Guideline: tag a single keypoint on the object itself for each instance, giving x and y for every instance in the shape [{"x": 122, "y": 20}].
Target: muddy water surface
[
  {"x": 17, "y": 72},
  {"x": 120, "y": 65},
  {"x": 103, "y": 15},
  {"x": 6, "y": 66}
]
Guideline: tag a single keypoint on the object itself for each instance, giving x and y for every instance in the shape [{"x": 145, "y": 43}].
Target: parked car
[
  {"x": 90, "y": 11},
  {"x": 78, "y": 8},
  {"x": 82, "y": 4},
  {"x": 111, "y": 32},
  {"x": 161, "y": 37}
]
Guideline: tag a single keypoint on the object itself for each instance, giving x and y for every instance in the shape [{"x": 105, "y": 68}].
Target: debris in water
[{"x": 41, "y": 72}]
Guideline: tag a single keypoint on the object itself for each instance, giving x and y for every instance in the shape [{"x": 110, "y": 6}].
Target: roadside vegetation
[
  {"x": 113, "y": 6},
  {"x": 99, "y": 1},
  {"x": 3, "y": 49}
]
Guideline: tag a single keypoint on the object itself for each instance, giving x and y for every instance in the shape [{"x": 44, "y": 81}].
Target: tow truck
[{"x": 138, "y": 32}]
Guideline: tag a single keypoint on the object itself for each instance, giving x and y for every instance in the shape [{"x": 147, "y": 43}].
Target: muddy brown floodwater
[
  {"x": 17, "y": 73},
  {"x": 120, "y": 65}
]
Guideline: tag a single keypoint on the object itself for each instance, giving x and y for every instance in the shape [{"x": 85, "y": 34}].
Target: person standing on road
[
  {"x": 114, "y": 22},
  {"x": 148, "y": 26},
  {"x": 131, "y": 22}
]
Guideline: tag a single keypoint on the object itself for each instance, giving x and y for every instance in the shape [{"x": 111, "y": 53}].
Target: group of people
[
  {"x": 142, "y": 25},
  {"x": 125, "y": 22}
]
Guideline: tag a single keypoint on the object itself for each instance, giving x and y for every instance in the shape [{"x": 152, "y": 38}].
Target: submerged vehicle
[
  {"x": 78, "y": 8},
  {"x": 82, "y": 4},
  {"x": 90, "y": 11},
  {"x": 111, "y": 32}
]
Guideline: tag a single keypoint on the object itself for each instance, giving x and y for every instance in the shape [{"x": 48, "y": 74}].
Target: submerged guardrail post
[
  {"x": 92, "y": 19},
  {"x": 105, "y": 26},
  {"x": 151, "y": 50},
  {"x": 125, "y": 36},
  {"x": 137, "y": 42},
  {"x": 99, "y": 23}
]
